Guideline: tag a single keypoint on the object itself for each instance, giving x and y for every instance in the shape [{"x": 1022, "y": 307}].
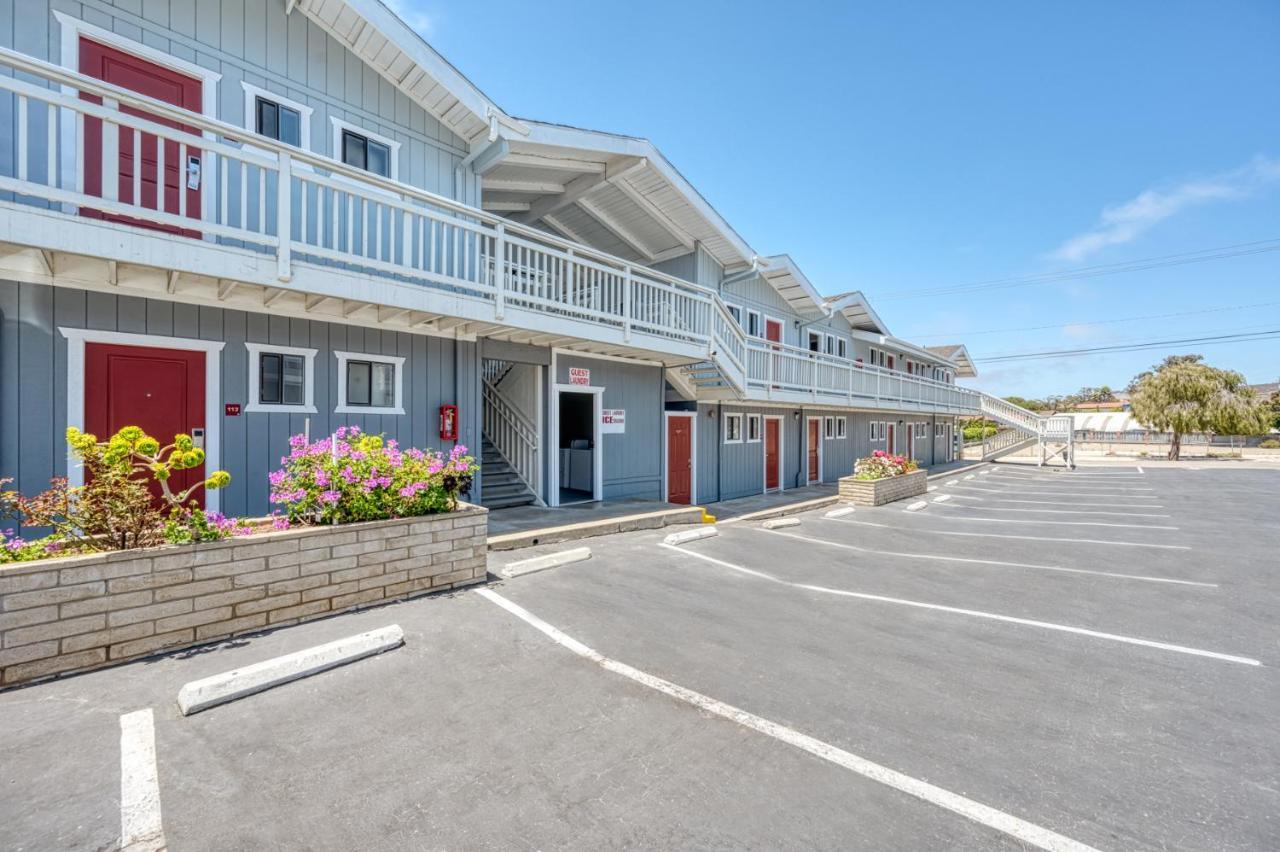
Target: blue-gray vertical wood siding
[
  {"x": 33, "y": 381},
  {"x": 632, "y": 459},
  {"x": 256, "y": 42}
]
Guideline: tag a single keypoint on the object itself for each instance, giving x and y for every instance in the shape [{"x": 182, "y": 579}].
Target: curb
[
  {"x": 678, "y": 538},
  {"x": 589, "y": 529},
  {"x": 228, "y": 686},
  {"x": 542, "y": 563}
]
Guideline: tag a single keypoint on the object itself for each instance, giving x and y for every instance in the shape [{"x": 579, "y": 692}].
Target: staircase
[
  {"x": 1054, "y": 435},
  {"x": 503, "y": 487}
]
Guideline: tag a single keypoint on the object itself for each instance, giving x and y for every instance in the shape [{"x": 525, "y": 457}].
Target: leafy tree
[
  {"x": 1183, "y": 395},
  {"x": 1024, "y": 402},
  {"x": 1274, "y": 403}
]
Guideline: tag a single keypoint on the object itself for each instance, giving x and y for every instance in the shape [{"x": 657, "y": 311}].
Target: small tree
[{"x": 1184, "y": 395}]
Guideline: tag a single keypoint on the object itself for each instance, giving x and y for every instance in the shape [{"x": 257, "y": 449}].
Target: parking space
[{"x": 1053, "y": 660}]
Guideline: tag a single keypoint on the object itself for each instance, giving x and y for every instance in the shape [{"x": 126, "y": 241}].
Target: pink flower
[{"x": 330, "y": 497}]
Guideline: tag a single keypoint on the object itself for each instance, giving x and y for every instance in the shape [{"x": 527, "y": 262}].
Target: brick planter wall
[
  {"x": 84, "y": 612},
  {"x": 877, "y": 492}
]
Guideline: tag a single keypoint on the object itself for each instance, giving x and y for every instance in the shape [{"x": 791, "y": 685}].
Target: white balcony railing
[
  {"x": 86, "y": 148},
  {"x": 774, "y": 367}
]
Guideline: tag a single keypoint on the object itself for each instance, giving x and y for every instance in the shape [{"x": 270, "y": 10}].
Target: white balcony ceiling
[
  {"x": 614, "y": 193},
  {"x": 857, "y": 310},
  {"x": 785, "y": 276}
]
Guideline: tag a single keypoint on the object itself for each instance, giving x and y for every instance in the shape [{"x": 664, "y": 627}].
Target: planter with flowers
[
  {"x": 883, "y": 478},
  {"x": 128, "y": 566}
]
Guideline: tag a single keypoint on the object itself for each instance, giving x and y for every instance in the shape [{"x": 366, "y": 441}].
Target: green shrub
[{"x": 1270, "y": 444}]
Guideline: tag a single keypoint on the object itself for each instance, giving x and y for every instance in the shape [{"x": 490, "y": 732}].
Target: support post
[
  {"x": 284, "y": 219},
  {"x": 500, "y": 270}
]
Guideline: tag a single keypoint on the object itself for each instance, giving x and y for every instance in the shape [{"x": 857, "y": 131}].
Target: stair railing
[{"x": 513, "y": 435}]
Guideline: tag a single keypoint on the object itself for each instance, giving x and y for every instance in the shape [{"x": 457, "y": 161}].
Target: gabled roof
[
  {"x": 617, "y": 193},
  {"x": 782, "y": 273},
  {"x": 957, "y": 354},
  {"x": 858, "y": 311},
  {"x": 387, "y": 44}
]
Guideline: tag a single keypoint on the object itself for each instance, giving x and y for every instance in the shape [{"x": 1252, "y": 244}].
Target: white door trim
[
  {"x": 71, "y": 31},
  {"x": 693, "y": 454},
  {"x": 782, "y": 453},
  {"x": 821, "y": 439},
  {"x": 78, "y": 337},
  {"x": 597, "y": 451}
]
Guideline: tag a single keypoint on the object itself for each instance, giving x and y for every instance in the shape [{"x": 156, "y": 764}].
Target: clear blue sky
[{"x": 897, "y": 146}]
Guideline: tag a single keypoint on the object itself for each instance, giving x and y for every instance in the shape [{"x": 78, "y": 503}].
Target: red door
[
  {"x": 888, "y": 448},
  {"x": 163, "y": 84},
  {"x": 771, "y": 455},
  {"x": 680, "y": 460},
  {"x": 160, "y": 390},
  {"x": 773, "y": 330},
  {"x": 815, "y": 435}
]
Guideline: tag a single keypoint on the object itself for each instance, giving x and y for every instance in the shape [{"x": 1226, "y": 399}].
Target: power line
[
  {"x": 1132, "y": 347},
  {"x": 1159, "y": 262},
  {"x": 963, "y": 334}
]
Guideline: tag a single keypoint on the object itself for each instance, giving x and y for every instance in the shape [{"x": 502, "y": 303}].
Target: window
[
  {"x": 277, "y": 117},
  {"x": 361, "y": 149},
  {"x": 813, "y": 341},
  {"x": 828, "y": 427},
  {"x": 753, "y": 428},
  {"x": 733, "y": 428},
  {"x": 842, "y": 428},
  {"x": 369, "y": 384},
  {"x": 277, "y": 121},
  {"x": 736, "y": 312},
  {"x": 281, "y": 378},
  {"x": 877, "y": 431},
  {"x": 830, "y": 347},
  {"x": 877, "y": 358},
  {"x": 842, "y": 347},
  {"x": 753, "y": 323}
]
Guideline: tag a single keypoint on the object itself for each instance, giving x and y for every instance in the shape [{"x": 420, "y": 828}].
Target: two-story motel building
[{"x": 246, "y": 220}]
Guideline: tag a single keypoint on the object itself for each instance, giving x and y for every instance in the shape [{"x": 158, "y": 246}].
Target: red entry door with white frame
[
  {"x": 772, "y": 454},
  {"x": 160, "y": 390},
  {"x": 680, "y": 460},
  {"x": 773, "y": 330},
  {"x": 814, "y": 449},
  {"x": 154, "y": 192}
]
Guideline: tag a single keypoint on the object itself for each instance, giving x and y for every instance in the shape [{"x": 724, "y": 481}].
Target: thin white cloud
[
  {"x": 418, "y": 20},
  {"x": 1122, "y": 223}
]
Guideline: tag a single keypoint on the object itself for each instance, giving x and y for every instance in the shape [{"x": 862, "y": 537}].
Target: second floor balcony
[{"x": 220, "y": 215}]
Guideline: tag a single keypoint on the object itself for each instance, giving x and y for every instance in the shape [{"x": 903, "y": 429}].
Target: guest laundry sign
[
  {"x": 613, "y": 420},
  {"x": 579, "y": 376}
]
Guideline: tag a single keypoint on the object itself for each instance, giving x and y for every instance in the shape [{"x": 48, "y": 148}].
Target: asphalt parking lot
[{"x": 1044, "y": 659}]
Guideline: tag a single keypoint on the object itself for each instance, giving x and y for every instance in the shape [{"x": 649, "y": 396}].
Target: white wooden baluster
[
  {"x": 284, "y": 219},
  {"x": 500, "y": 271}
]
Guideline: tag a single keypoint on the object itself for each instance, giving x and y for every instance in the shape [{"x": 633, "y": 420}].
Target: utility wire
[
  {"x": 1132, "y": 347},
  {"x": 962, "y": 334},
  {"x": 1159, "y": 262}
]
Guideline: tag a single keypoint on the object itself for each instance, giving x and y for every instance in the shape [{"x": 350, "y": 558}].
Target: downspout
[
  {"x": 466, "y": 161},
  {"x": 756, "y": 265}
]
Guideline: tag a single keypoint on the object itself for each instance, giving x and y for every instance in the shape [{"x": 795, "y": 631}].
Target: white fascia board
[
  {"x": 860, "y": 300},
  {"x": 784, "y": 263},
  {"x": 610, "y": 143},
  {"x": 432, "y": 63}
]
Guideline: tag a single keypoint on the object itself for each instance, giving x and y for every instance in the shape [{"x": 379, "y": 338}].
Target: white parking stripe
[
  {"x": 140, "y": 827},
  {"x": 1019, "y": 537},
  {"x": 1057, "y": 502},
  {"x": 1041, "y": 838},
  {"x": 992, "y": 616},
  {"x": 941, "y": 558},
  {"x": 1060, "y": 523},
  {"x": 1037, "y": 492},
  {"x": 1140, "y": 470},
  {"x": 1061, "y": 511}
]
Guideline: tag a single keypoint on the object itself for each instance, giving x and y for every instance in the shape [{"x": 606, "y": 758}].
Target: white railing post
[
  {"x": 627, "y": 284},
  {"x": 500, "y": 270},
  {"x": 284, "y": 219}
]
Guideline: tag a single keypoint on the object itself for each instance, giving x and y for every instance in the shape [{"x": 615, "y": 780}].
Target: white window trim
[
  {"x": 343, "y": 408},
  {"x": 339, "y": 125},
  {"x": 78, "y": 337},
  {"x": 759, "y": 332},
  {"x": 733, "y": 306},
  {"x": 251, "y": 94},
  {"x": 746, "y": 435},
  {"x": 828, "y": 428},
  {"x": 728, "y": 417},
  {"x": 871, "y": 432},
  {"x": 255, "y": 377},
  {"x": 842, "y": 348},
  {"x": 842, "y": 428}
]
